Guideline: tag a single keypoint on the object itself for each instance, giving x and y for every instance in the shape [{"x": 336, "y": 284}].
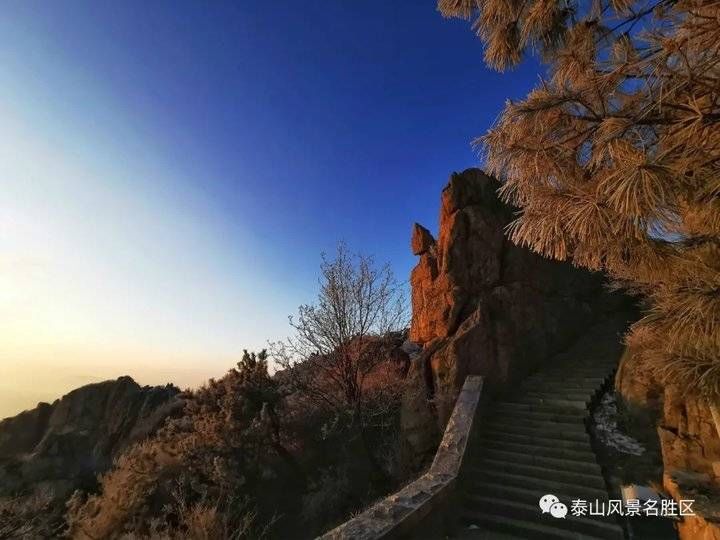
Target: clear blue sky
[{"x": 172, "y": 170}]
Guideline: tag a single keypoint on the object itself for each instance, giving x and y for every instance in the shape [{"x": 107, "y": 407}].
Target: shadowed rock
[
  {"x": 484, "y": 306},
  {"x": 64, "y": 445}
]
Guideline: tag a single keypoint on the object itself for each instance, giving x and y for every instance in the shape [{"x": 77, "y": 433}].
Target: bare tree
[{"x": 335, "y": 356}]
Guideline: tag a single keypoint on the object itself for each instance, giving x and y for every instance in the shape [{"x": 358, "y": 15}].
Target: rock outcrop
[
  {"x": 63, "y": 445},
  {"x": 483, "y": 306},
  {"x": 688, "y": 439}
]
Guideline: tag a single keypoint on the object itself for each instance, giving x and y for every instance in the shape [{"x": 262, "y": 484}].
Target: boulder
[{"x": 422, "y": 241}]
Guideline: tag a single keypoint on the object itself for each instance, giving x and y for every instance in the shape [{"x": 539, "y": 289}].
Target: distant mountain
[{"x": 48, "y": 452}]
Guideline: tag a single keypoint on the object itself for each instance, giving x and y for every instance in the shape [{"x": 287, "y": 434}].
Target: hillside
[
  {"x": 251, "y": 454},
  {"x": 48, "y": 452}
]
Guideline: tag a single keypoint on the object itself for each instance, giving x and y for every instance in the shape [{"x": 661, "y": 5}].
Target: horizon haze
[{"x": 172, "y": 172}]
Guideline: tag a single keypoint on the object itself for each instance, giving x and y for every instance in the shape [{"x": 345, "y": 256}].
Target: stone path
[{"x": 534, "y": 442}]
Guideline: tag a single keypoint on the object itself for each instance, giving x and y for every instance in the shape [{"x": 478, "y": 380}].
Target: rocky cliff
[
  {"x": 686, "y": 433},
  {"x": 56, "y": 448},
  {"x": 483, "y": 306}
]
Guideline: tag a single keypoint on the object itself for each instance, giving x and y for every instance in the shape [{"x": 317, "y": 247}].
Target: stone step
[
  {"x": 535, "y": 419},
  {"x": 541, "y": 485},
  {"x": 547, "y": 430},
  {"x": 534, "y": 441},
  {"x": 563, "y": 394},
  {"x": 516, "y": 407},
  {"x": 555, "y": 403},
  {"x": 585, "y": 376},
  {"x": 474, "y": 533},
  {"x": 585, "y": 360},
  {"x": 578, "y": 364},
  {"x": 557, "y": 452},
  {"x": 599, "y": 526},
  {"x": 581, "y": 379},
  {"x": 523, "y": 458},
  {"x": 571, "y": 379},
  {"x": 510, "y": 412},
  {"x": 572, "y": 386},
  {"x": 593, "y": 480},
  {"x": 599, "y": 370},
  {"x": 539, "y": 441},
  {"x": 521, "y": 529},
  {"x": 527, "y": 495}
]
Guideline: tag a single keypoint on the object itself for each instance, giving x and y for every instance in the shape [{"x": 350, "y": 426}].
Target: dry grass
[
  {"x": 187, "y": 480},
  {"x": 28, "y": 516}
]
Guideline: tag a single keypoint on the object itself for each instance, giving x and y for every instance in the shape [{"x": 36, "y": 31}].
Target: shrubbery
[
  {"x": 285, "y": 455},
  {"x": 195, "y": 474}
]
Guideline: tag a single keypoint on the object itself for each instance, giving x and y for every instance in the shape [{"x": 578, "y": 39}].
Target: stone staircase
[{"x": 534, "y": 442}]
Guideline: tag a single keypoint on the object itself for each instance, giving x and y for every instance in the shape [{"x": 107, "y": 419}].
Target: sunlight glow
[{"x": 107, "y": 268}]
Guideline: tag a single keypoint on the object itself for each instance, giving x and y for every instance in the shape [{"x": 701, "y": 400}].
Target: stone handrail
[{"x": 398, "y": 514}]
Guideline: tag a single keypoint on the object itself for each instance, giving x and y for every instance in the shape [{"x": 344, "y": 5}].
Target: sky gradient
[{"x": 171, "y": 171}]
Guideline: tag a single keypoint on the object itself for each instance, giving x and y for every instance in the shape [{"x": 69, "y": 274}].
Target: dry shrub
[
  {"x": 185, "y": 481},
  {"x": 249, "y": 457},
  {"x": 328, "y": 498},
  {"x": 204, "y": 521},
  {"x": 338, "y": 357},
  {"x": 30, "y": 516},
  {"x": 313, "y": 442}
]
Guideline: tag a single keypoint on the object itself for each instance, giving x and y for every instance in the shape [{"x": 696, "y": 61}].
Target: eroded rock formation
[
  {"x": 63, "y": 445},
  {"x": 687, "y": 437},
  {"x": 483, "y": 306}
]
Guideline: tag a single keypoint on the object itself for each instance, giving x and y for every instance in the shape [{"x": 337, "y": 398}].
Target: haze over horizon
[{"x": 171, "y": 172}]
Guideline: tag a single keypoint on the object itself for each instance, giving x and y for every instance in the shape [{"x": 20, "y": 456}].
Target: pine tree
[{"x": 614, "y": 159}]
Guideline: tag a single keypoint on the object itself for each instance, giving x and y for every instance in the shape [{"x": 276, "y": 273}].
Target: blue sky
[{"x": 171, "y": 171}]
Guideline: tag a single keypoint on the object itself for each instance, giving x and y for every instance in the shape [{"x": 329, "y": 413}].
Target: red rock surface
[
  {"x": 483, "y": 306},
  {"x": 422, "y": 241}
]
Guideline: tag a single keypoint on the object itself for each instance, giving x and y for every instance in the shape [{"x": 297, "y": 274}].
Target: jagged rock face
[
  {"x": 422, "y": 241},
  {"x": 687, "y": 434},
  {"x": 688, "y": 438},
  {"x": 61, "y": 445},
  {"x": 465, "y": 260},
  {"x": 483, "y": 306}
]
